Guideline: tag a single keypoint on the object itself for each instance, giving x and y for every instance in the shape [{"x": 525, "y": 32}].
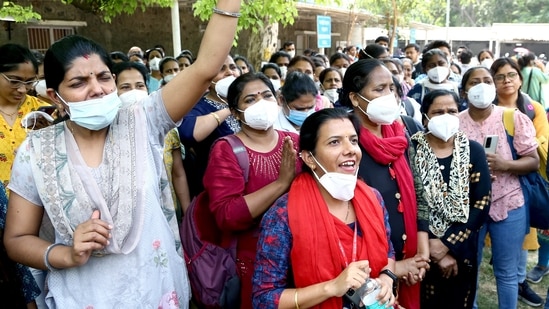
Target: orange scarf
[{"x": 316, "y": 256}]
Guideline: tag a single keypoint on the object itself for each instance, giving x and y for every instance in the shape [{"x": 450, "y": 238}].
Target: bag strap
[
  {"x": 509, "y": 121},
  {"x": 408, "y": 107},
  {"x": 410, "y": 124},
  {"x": 529, "y": 80},
  {"x": 509, "y": 124},
  {"x": 240, "y": 152}
]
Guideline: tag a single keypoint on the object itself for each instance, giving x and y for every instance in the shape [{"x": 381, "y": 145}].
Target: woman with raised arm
[{"x": 116, "y": 241}]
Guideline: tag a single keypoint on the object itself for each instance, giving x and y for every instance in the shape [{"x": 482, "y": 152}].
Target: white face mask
[
  {"x": 169, "y": 77},
  {"x": 154, "y": 64},
  {"x": 342, "y": 71},
  {"x": 94, "y": 114},
  {"x": 438, "y": 74},
  {"x": 133, "y": 96},
  {"x": 332, "y": 95},
  {"x": 381, "y": 110},
  {"x": 41, "y": 88},
  {"x": 487, "y": 63},
  {"x": 222, "y": 86},
  {"x": 340, "y": 186},
  {"x": 30, "y": 119},
  {"x": 276, "y": 84},
  {"x": 291, "y": 53},
  {"x": 261, "y": 115},
  {"x": 481, "y": 95},
  {"x": 443, "y": 126},
  {"x": 283, "y": 72}
]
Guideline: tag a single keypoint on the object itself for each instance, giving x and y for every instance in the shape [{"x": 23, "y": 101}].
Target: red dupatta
[
  {"x": 390, "y": 150},
  {"x": 315, "y": 254}
]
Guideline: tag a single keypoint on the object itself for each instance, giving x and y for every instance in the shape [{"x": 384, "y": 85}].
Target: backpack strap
[
  {"x": 240, "y": 152},
  {"x": 509, "y": 121},
  {"x": 529, "y": 80},
  {"x": 410, "y": 124},
  {"x": 529, "y": 108},
  {"x": 408, "y": 107}
]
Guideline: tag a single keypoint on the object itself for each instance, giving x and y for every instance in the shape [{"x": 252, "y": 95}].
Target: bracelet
[
  {"x": 216, "y": 118},
  {"x": 225, "y": 13},
  {"x": 46, "y": 256},
  {"x": 295, "y": 300}
]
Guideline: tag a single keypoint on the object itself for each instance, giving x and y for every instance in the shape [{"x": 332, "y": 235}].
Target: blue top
[
  {"x": 273, "y": 271},
  {"x": 197, "y": 153},
  {"x": 29, "y": 287}
]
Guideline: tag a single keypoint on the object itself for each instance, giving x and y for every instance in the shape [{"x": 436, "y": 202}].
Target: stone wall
[{"x": 146, "y": 29}]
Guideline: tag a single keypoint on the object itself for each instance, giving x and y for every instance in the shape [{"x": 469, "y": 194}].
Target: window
[{"x": 40, "y": 38}]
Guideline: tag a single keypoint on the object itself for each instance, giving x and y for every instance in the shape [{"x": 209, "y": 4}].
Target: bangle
[
  {"x": 216, "y": 118},
  {"x": 225, "y": 13},
  {"x": 295, "y": 300},
  {"x": 46, "y": 257}
]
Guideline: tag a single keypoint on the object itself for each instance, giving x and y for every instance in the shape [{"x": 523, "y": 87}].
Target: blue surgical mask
[
  {"x": 298, "y": 117},
  {"x": 94, "y": 114}
]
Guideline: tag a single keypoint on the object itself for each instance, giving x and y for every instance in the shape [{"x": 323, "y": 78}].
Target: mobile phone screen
[{"x": 47, "y": 109}]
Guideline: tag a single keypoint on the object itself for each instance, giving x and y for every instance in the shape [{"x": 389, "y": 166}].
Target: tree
[
  {"x": 261, "y": 18},
  {"x": 394, "y": 12},
  {"x": 20, "y": 14},
  {"x": 108, "y": 9}
]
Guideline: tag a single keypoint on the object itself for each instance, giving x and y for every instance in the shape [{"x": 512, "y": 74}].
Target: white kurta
[{"x": 153, "y": 275}]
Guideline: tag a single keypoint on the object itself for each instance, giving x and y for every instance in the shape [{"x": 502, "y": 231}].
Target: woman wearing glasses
[
  {"x": 507, "y": 215},
  {"x": 18, "y": 70},
  {"x": 509, "y": 81}
]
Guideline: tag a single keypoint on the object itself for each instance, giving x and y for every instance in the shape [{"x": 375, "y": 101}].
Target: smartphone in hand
[{"x": 490, "y": 143}]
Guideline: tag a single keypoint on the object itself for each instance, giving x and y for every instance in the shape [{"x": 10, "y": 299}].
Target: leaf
[{"x": 20, "y": 14}]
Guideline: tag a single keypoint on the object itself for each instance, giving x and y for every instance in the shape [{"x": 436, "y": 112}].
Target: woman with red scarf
[
  {"x": 369, "y": 90},
  {"x": 330, "y": 232}
]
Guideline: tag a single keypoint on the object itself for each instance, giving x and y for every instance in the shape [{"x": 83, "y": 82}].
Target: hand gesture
[
  {"x": 352, "y": 277},
  {"x": 93, "y": 234},
  {"x": 437, "y": 249},
  {"x": 448, "y": 266},
  {"x": 385, "y": 296},
  {"x": 414, "y": 269},
  {"x": 287, "y": 163},
  {"x": 496, "y": 162}
]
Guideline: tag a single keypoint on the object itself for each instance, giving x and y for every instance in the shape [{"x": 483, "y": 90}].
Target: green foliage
[
  {"x": 255, "y": 14},
  {"x": 108, "y": 9},
  {"x": 478, "y": 13},
  {"x": 20, "y": 14}
]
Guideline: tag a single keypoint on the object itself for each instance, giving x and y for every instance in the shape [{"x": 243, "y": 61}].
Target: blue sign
[
  {"x": 412, "y": 35},
  {"x": 324, "y": 31}
]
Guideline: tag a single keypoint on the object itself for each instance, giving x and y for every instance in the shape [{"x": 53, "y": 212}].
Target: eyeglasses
[
  {"x": 16, "y": 84},
  {"x": 510, "y": 76}
]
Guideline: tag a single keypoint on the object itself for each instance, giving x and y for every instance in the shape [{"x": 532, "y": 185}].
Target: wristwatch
[{"x": 391, "y": 275}]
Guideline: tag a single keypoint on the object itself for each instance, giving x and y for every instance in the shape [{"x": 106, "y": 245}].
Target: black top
[{"x": 378, "y": 177}]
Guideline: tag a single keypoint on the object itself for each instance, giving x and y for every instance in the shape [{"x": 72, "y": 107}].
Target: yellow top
[{"x": 12, "y": 137}]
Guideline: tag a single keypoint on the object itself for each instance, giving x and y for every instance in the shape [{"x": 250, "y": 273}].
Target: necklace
[
  {"x": 11, "y": 114},
  {"x": 348, "y": 208}
]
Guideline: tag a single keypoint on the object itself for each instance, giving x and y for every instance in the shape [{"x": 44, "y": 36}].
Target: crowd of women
[{"x": 350, "y": 182}]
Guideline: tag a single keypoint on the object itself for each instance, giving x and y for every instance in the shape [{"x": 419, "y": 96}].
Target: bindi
[{"x": 86, "y": 56}]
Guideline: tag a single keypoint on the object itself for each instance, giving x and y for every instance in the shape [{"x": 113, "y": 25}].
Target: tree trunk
[
  {"x": 394, "y": 28},
  {"x": 352, "y": 20},
  {"x": 262, "y": 45}
]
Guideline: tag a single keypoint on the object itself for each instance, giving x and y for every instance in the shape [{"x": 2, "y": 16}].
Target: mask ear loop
[
  {"x": 217, "y": 95},
  {"x": 26, "y": 124},
  {"x": 358, "y": 105}
]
